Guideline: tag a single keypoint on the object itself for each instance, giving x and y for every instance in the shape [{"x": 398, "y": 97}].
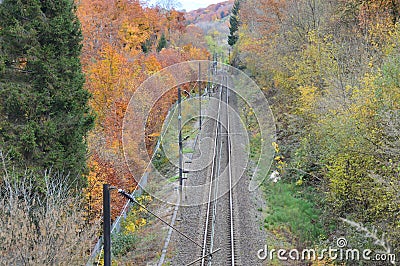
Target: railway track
[
  {"x": 219, "y": 228},
  {"x": 219, "y": 212}
]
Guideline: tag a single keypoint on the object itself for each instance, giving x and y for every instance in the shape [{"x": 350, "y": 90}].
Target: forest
[
  {"x": 67, "y": 71},
  {"x": 330, "y": 71}
]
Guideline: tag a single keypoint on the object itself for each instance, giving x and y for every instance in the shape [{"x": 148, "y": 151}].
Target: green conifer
[
  {"x": 162, "y": 43},
  {"x": 44, "y": 113},
  {"x": 234, "y": 24}
]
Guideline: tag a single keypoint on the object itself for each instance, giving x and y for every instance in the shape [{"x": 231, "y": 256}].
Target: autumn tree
[
  {"x": 125, "y": 43},
  {"x": 43, "y": 105},
  {"x": 192, "y": 35},
  {"x": 330, "y": 72}
]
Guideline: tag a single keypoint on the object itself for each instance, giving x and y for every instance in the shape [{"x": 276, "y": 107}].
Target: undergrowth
[{"x": 291, "y": 207}]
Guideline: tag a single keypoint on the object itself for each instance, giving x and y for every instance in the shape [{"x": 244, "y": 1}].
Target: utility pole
[
  {"x": 180, "y": 137},
  {"x": 215, "y": 63},
  {"x": 209, "y": 77},
  {"x": 107, "y": 224},
  {"x": 198, "y": 81}
]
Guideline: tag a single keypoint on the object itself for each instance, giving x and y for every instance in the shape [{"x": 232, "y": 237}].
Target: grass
[
  {"x": 186, "y": 150},
  {"x": 123, "y": 243},
  {"x": 173, "y": 178},
  {"x": 292, "y": 207},
  {"x": 292, "y": 210},
  {"x": 140, "y": 238},
  {"x": 188, "y": 130},
  {"x": 162, "y": 163}
]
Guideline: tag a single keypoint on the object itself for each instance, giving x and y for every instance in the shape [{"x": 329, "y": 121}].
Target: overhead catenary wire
[
  {"x": 131, "y": 198},
  {"x": 99, "y": 245}
]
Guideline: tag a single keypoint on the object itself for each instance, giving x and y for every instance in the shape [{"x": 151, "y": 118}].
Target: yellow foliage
[
  {"x": 134, "y": 34},
  {"x": 136, "y": 217},
  {"x": 276, "y": 147},
  {"x": 308, "y": 98},
  {"x": 299, "y": 182},
  {"x": 281, "y": 164},
  {"x": 109, "y": 78},
  {"x": 323, "y": 262},
  {"x": 155, "y": 134},
  {"x": 130, "y": 227},
  {"x": 141, "y": 222},
  {"x": 152, "y": 65},
  {"x": 95, "y": 180},
  {"x": 380, "y": 32}
]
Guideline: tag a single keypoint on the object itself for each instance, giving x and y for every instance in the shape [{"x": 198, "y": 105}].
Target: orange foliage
[
  {"x": 110, "y": 78},
  {"x": 101, "y": 172},
  {"x": 381, "y": 11},
  {"x": 114, "y": 60},
  {"x": 152, "y": 65},
  {"x": 195, "y": 53}
]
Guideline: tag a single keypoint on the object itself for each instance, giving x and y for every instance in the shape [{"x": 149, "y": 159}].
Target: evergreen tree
[
  {"x": 146, "y": 46},
  {"x": 162, "y": 43},
  {"x": 44, "y": 113},
  {"x": 234, "y": 24}
]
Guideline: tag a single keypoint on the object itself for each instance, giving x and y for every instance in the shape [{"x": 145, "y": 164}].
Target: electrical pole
[
  {"x": 107, "y": 224},
  {"x": 180, "y": 137},
  {"x": 198, "y": 81}
]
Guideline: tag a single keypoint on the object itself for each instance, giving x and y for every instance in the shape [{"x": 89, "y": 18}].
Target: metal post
[
  {"x": 213, "y": 64},
  {"x": 199, "y": 95},
  {"x": 180, "y": 137},
  {"x": 107, "y": 224},
  {"x": 209, "y": 76}
]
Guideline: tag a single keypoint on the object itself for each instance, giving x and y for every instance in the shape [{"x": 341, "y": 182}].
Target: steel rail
[
  {"x": 210, "y": 201},
  {"x": 216, "y": 178},
  {"x": 229, "y": 143},
  {"x": 211, "y": 213}
]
